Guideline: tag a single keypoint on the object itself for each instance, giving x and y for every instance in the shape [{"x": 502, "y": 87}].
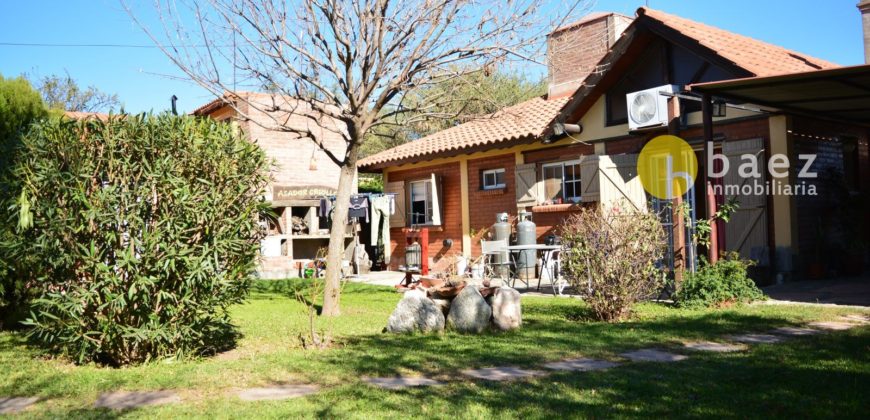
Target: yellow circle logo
[{"x": 667, "y": 167}]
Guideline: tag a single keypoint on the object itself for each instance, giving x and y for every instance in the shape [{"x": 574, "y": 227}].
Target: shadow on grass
[
  {"x": 809, "y": 377},
  {"x": 547, "y": 334}
]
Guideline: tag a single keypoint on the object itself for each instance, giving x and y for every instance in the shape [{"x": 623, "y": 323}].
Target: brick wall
[
  {"x": 574, "y": 50},
  {"x": 298, "y": 161},
  {"x": 823, "y": 211},
  {"x": 485, "y": 204},
  {"x": 451, "y": 214}
]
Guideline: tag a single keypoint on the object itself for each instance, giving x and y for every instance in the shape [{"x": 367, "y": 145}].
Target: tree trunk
[{"x": 332, "y": 288}]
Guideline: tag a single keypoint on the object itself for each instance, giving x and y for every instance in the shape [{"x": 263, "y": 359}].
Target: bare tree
[
  {"x": 347, "y": 65},
  {"x": 62, "y": 92}
]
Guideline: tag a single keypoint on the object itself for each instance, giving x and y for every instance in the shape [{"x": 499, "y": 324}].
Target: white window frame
[
  {"x": 494, "y": 173},
  {"x": 427, "y": 186},
  {"x": 577, "y": 179}
]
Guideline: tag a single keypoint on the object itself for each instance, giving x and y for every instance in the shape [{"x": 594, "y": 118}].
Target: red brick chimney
[
  {"x": 864, "y": 7},
  {"x": 574, "y": 49}
]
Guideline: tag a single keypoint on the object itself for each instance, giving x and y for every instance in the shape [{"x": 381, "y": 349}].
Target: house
[
  {"x": 303, "y": 172},
  {"x": 576, "y": 145}
]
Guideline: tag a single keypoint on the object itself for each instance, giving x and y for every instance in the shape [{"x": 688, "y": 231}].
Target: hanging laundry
[
  {"x": 359, "y": 207},
  {"x": 325, "y": 209},
  {"x": 381, "y": 209}
]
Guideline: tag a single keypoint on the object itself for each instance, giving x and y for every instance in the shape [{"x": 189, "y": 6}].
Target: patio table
[{"x": 545, "y": 257}]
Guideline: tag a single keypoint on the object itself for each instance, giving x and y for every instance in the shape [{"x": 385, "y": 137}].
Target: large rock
[
  {"x": 469, "y": 312},
  {"x": 415, "y": 312},
  {"x": 507, "y": 312}
]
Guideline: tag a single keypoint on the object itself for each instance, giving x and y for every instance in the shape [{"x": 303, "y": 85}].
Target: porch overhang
[{"x": 840, "y": 94}]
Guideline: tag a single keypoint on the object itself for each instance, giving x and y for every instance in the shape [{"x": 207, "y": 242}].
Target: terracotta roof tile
[
  {"x": 757, "y": 57},
  {"x": 527, "y": 119},
  {"x": 80, "y": 115}
]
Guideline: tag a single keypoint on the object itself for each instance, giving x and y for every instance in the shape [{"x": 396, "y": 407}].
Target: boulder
[
  {"x": 469, "y": 312},
  {"x": 507, "y": 311},
  {"x": 415, "y": 312}
]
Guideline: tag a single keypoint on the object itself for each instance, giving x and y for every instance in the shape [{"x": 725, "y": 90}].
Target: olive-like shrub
[
  {"x": 610, "y": 258},
  {"x": 145, "y": 229}
]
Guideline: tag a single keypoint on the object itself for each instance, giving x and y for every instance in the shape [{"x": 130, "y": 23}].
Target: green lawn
[{"x": 819, "y": 376}]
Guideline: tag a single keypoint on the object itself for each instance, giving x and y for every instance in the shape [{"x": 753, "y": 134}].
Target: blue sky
[{"x": 828, "y": 29}]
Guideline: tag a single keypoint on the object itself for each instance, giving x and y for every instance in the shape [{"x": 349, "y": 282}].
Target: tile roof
[
  {"x": 531, "y": 119},
  {"x": 527, "y": 119},
  {"x": 79, "y": 115},
  {"x": 757, "y": 57}
]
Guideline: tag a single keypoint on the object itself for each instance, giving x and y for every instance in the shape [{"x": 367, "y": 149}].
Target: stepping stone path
[
  {"x": 280, "y": 392},
  {"x": 401, "y": 382},
  {"x": 653, "y": 355},
  {"x": 795, "y": 331},
  {"x": 122, "y": 400},
  {"x": 505, "y": 373},
  {"x": 714, "y": 347},
  {"x": 832, "y": 325},
  {"x": 9, "y": 405},
  {"x": 581, "y": 365},
  {"x": 756, "y": 338},
  {"x": 863, "y": 319}
]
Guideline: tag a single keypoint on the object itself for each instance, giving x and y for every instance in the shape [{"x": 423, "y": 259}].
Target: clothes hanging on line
[
  {"x": 325, "y": 208},
  {"x": 381, "y": 209},
  {"x": 359, "y": 207}
]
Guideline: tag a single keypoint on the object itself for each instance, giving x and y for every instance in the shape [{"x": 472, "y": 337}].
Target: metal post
[{"x": 707, "y": 118}]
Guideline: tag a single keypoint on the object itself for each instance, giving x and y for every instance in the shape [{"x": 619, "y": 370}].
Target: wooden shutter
[
  {"x": 589, "y": 182},
  {"x": 620, "y": 184},
  {"x": 527, "y": 185},
  {"x": 397, "y": 219},
  {"x": 435, "y": 185},
  {"x": 746, "y": 232}
]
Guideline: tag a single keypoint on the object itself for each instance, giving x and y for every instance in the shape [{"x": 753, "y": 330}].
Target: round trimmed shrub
[
  {"x": 144, "y": 230},
  {"x": 610, "y": 258}
]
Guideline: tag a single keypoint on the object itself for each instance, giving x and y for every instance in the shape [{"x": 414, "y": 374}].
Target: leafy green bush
[
  {"x": 610, "y": 258},
  {"x": 145, "y": 230},
  {"x": 722, "y": 283},
  {"x": 20, "y": 105}
]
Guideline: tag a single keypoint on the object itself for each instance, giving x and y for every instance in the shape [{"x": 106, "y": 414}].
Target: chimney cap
[
  {"x": 863, "y": 5},
  {"x": 591, "y": 17}
]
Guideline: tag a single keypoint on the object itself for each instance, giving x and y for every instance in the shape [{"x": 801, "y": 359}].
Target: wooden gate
[{"x": 746, "y": 233}]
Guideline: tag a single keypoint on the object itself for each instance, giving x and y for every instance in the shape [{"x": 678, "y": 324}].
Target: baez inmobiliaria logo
[{"x": 668, "y": 168}]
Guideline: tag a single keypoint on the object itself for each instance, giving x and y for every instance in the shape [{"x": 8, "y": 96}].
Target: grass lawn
[{"x": 819, "y": 376}]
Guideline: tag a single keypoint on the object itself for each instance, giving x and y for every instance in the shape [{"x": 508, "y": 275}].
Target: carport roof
[{"x": 841, "y": 94}]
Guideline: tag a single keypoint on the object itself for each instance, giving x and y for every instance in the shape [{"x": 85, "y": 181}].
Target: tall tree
[
  {"x": 348, "y": 61},
  {"x": 64, "y": 93}
]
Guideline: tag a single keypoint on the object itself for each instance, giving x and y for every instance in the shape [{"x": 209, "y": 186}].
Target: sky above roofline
[{"x": 144, "y": 79}]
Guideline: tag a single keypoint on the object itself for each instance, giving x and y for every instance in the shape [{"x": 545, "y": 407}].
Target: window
[
  {"x": 562, "y": 181},
  {"x": 492, "y": 179},
  {"x": 421, "y": 202}
]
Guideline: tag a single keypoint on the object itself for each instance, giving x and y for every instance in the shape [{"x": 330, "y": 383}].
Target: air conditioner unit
[{"x": 648, "y": 108}]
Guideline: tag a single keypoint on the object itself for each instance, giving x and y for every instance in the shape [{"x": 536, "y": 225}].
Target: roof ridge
[{"x": 664, "y": 17}]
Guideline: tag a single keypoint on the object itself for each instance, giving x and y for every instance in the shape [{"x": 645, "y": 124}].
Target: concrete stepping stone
[
  {"x": 505, "y": 373},
  {"x": 279, "y": 392},
  {"x": 580, "y": 365},
  {"x": 832, "y": 325},
  {"x": 122, "y": 400},
  {"x": 714, "y": 346},
  {"x": 863, "y": 319},
  {"x": 10, "y": 405},
  {"x": 756, "y": 338},
  {"x": 400, "y": 382},
  {"x": 653, "y": 355},
  {"x": 795, "y": 331}
]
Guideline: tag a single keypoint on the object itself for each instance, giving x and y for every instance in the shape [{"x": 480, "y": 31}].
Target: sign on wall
[{"x": 283, "y": 192}]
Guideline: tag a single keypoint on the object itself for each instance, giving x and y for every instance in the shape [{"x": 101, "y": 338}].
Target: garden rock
[
  {"x": 506, "y": 309},
  {"x": 469, "y": 312},
  {"x": 415, "y": 312}
]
